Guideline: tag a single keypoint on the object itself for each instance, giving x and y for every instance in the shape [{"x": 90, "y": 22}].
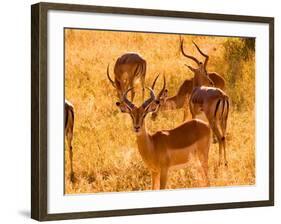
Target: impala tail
[{"x": 222, "y": 111}]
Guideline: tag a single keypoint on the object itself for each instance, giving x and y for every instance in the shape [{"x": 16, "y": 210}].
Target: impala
[
  {"x": 179, "y": 100},
  {"x": 68, "y": 131},
  {"x": 167, "y": 149},
  {"x": 215, "y": 105},
  {"x": 205, "y": 78},
  {"x": 128, "y": 68},
  {"x": 213, "y": 102}
]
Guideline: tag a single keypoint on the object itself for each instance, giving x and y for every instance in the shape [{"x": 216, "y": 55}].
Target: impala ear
[
  {"x": 190, "y": 68},
  {"x": 165, "y": 94},
  {"x": 123, "y": 107},
  {"x": 153, "y": 106}
]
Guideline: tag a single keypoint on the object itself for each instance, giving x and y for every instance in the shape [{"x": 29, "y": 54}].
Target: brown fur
[
  {"x": 181, "y": 99},
  {"x": 218, "y": 80},
  {"x": 128, "y": 68},
  {"x": 209, "y": 100},
  {"x": 215, "y": 105},
  {"x": 167, "y": 149}
]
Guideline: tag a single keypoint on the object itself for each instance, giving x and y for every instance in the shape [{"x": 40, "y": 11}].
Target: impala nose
[{"x": 137, "y": 128}]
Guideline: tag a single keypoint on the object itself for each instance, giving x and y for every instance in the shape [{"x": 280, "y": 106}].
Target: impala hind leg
[
  {"x": 204, "y": 163},
  {"x": 155, "y": 179},
  {"x": 223, "y": 127},
  {"x": 203, "y": 170},
  {"x": 220, "y": 139},
  {"x": 194, "y": 110},
  {"x": 215, "y": 140},
  {"x": 185, "y": 112},
  {"x": 163, "y": 178},
  {"x": 224, "y": 151},
  {"x": 203, "y": 156}
]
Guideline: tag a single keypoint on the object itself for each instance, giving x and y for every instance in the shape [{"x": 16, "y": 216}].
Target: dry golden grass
[{"x": 106, "y": 156}]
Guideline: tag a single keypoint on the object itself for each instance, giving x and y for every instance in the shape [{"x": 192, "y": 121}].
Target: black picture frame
[{"x": 39, "y": 107}]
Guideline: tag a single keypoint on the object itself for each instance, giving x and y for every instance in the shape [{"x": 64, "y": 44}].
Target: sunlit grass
[{"x": 106, "y": 156}]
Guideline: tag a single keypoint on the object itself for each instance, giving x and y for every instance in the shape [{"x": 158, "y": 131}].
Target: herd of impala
[{"x": 165, "y": 150}]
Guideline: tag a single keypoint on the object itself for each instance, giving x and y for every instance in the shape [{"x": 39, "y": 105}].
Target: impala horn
[
  {"x": 108, "y": 76},
  {"x": 126, "y": 101},
  {"x": 205, "y": 55},
  {"x": 151, "y": 99},
  {"x": 186, "y": 55}
]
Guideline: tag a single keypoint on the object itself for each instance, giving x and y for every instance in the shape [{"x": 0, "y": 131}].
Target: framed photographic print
[{"x": 139, "y": 111}]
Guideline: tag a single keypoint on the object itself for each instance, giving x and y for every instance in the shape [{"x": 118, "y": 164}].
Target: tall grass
[{"x": 106, "y": 156}]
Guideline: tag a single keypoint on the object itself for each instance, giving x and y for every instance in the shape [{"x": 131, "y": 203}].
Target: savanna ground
[{"x": 105, "y": 154}]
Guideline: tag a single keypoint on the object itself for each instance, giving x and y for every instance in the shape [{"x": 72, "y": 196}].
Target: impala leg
[
  {"x": 223, "y": 127},
  {"x": 155, "y": 179},
  {"x": 184, "y": 115},
  {"x": 192, "y": 108},
  {"x": 69, "y": 139},
  {"x": 215, "y": 140},
  {"x": 163, "y": 178},
  {"x": 222, "y": 144},
  {"x": 220, "y": 153},
  {"x": 203, "y": 158},
  {"x": 224, "y": 151},
  {"x": 204, "y": 165},
  {"x": 203, "y": 169},
  {"x": 185, "y": 112},
  {"x": 220, "y": 139}
]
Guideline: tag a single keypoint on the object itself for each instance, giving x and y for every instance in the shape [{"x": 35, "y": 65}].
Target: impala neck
[
  {"x": 171, "y": 103},
  {"x": 144, "y": 142}
]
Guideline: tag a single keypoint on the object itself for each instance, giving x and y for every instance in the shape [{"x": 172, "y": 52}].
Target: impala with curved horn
[
  {"x": 127, "y": 70},
  {"x": 213, "y": 102},
  {"x": 201, "y": 76},
  {"x": 215, "y": 105},
  {"x": 68, "y": 131},
  {"x": 178, "y": 101},
  {"x": 181, "y": 98},
  {"x": 167, "y": 149}
]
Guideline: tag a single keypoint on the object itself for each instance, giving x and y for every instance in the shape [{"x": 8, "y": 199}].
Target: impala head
[
  {"x": 120, "y": 87},
  {"x": 161, "y": 97},
  {"x": 138, "y": 114},
  {"x": 201, "y": 71}
]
